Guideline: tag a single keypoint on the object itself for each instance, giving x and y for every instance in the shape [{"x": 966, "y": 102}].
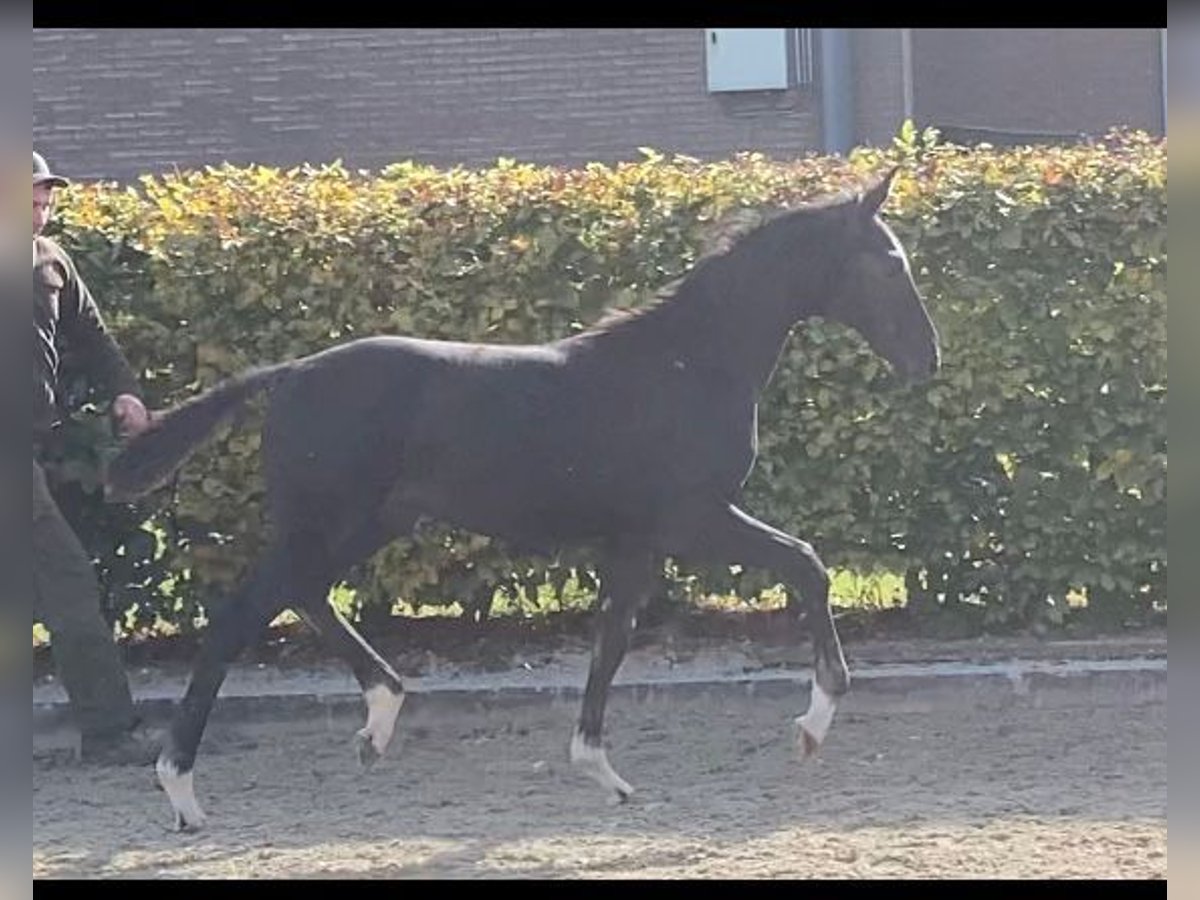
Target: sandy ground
[{"x": 935, "y": 791}]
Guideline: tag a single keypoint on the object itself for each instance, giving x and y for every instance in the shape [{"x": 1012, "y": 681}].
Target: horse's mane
[
  {"x": 618, "y": 319},
  {"x": 726, "y": 232}
]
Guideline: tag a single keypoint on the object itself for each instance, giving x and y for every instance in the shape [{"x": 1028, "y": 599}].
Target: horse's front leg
[
  {"x": 726, "y": 534},
  {"x": 626, "y": 578}
]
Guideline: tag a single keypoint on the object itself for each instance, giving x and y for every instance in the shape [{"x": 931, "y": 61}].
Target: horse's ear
[{"x": 871, "y": 199}]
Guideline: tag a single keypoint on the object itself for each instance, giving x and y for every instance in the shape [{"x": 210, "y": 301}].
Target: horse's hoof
[
  {"x": 593, "y": 762},
  {"x": 178, "y": 785},
  {"x": 189, "y": 825},
  {"x": 808, "y": 744},
  {"x": 620, "y": 797},
  {"x": 814, "y": 724},
  {"x": 365, "y": 747}
]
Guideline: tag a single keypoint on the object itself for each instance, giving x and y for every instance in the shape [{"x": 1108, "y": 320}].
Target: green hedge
[{"x": 1035, "y": 465}]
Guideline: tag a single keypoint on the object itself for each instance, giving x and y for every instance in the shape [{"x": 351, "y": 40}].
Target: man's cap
[{"x": 43, "y": 175}]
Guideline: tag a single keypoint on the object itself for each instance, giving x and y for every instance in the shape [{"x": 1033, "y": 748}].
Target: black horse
[{"x": 634, "y": 437}]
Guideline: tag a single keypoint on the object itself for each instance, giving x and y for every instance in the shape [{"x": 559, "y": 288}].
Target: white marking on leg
[
  {"x": 593, "y": 762},
  {"x": 383, "y": 708},
  {"x": 188, "y": 815},
  {"x": 815, "y": 723}
]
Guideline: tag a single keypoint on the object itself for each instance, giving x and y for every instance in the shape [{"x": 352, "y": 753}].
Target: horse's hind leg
[
  {"x": 729, "y": 535},
  {"x": 626, "y": 579},
  {"x": 382, "y": 689},
  {"x": 239, "y": 621}
]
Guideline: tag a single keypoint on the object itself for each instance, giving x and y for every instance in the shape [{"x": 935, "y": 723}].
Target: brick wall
[
  {"x": 1030, "y": 80},
  {"x": 878, "y": 84},
  {"x": 113, "y": 104}
]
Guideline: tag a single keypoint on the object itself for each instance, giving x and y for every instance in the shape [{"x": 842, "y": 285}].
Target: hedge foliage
[{"x": 1033, "y": 466}]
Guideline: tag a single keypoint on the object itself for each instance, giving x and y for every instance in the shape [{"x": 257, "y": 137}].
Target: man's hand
[{"x": 130, "y": 415}]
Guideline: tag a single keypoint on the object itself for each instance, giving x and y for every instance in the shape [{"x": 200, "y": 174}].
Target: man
[{"x": 66, "y": 592}]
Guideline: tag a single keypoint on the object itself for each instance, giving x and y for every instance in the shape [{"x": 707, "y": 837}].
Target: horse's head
[
  {"x": 871, "y": 288},
  {"x": 838, "y": 260}
]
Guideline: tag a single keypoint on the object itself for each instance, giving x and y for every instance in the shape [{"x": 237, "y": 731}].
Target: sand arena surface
[{"x": 944, "y": 791}]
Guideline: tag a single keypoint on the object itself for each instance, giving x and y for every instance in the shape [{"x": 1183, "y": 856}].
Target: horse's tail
[{"x": 153, "y": 456}]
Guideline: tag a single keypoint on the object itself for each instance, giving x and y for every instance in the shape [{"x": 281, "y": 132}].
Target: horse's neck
[
  {"x": 710, "y": 323},
  {"x": 740, "y": 335}
]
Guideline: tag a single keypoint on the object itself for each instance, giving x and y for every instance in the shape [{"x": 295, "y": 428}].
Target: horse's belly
[{"x": 543, "y": 506}]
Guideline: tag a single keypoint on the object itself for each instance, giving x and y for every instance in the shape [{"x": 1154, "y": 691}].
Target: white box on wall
[{"x": 746, "y": 59}]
